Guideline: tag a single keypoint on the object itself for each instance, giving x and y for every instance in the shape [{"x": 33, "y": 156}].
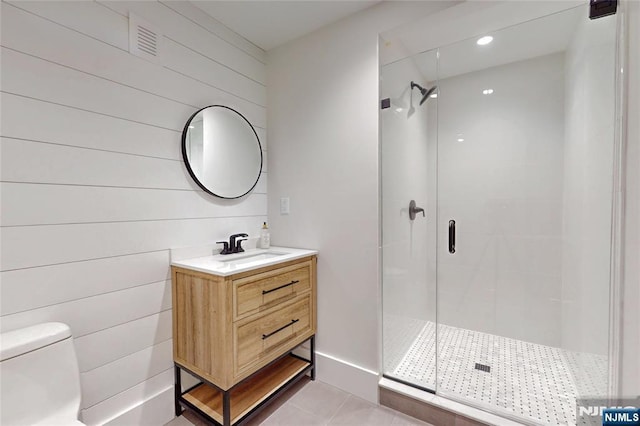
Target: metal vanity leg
[
  {"x": 177, "y": 390},
  {"x": 313, "y": 357},
  {"x": 226, "y": 408}
]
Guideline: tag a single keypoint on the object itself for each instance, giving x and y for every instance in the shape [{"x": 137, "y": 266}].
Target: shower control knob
[{"x": 413, "y": 210}]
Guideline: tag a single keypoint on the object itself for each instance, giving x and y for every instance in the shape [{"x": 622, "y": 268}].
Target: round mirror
[{"x": 222, "y": 151}]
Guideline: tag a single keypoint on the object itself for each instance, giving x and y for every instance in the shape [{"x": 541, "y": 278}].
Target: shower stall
[{"x": 497, "y": 158}]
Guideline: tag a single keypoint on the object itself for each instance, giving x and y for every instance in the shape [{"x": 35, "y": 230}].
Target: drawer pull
[
  {"x": 282, "y": 286},
  {"x": 264, "y": 336}
]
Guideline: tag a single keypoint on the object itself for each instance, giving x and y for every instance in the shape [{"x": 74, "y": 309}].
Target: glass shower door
[
  {"x": 408, "y": 209},
  {"x": 524, "y": 194}
]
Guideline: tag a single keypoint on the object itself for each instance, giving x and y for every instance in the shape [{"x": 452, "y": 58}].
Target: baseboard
[
  {"x": 347, "y": 376},
  {"x": 155, "y": 411},
  {"x": 129, "y": 400}
]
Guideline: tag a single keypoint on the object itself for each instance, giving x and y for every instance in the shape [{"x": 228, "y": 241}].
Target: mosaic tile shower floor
[{"x": 533, "y": 381}]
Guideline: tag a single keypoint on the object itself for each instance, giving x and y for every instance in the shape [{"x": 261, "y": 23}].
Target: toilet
[{"x": 39, "y": 377}]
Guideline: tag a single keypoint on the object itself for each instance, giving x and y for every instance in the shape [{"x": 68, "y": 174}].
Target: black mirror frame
[{"x": 186, "y": 159}]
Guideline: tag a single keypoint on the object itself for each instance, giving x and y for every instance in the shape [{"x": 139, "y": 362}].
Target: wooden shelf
[{"x": 248, "y": 394}]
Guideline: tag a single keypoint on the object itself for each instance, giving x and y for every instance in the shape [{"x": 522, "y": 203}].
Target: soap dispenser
[{"x": 265, "y": 237}]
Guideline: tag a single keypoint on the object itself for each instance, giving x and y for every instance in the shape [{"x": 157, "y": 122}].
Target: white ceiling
[
  {"x": 269, "y": 24},
  {"x": 532, "y": 39}
]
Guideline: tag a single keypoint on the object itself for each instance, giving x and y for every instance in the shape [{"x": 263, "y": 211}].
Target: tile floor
[
  {"x": 310, "y": 403},
  {"x": 535, "y": 382}
]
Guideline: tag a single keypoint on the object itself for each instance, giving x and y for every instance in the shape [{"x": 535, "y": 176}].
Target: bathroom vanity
[{"x": 236, "y": 321}]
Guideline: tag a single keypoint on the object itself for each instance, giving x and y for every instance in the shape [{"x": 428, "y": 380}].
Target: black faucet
[
  {"x": 234, "y": 245},
  {"x": 235, "y": 242}
]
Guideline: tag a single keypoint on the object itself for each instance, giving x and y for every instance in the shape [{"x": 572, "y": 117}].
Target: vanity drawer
[
  {"x": 263, "y": 291},
  {"x": 259, "y": 339}
]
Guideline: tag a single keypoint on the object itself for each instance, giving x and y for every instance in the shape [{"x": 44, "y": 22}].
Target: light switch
[{"x": 284, "y": 205}]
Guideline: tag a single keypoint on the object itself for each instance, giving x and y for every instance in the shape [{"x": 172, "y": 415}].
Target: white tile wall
[
  {"x": 408, "y": 247},
  {"x": 94, "y": 191},
  {"x": 503, "y": 186}
]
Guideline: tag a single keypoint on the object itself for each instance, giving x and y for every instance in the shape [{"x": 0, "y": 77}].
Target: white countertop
[{"x": 229, "y": 264}]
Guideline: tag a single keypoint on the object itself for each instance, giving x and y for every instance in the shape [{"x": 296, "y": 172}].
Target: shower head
[
  {"x": 426, "y": 95},
  {"x": 425, "y": 92}
]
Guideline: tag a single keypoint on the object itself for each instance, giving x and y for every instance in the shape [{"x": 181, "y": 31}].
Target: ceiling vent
[{"x": 144, "y": 39}]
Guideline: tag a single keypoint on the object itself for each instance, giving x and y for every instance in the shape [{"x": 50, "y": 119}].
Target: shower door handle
[{"x": 452, "y": 236}]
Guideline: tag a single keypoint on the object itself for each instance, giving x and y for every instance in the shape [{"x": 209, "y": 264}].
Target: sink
[
  {"x": 257, "y": 257},
  {"x": 225, "y": 265}
]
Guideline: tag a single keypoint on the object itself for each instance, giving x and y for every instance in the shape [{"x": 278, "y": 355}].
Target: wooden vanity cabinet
[{"x": 236, "y": 333}]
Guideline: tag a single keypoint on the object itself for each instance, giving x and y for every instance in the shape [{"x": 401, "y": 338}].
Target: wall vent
[{"x": 144, "y": 39}]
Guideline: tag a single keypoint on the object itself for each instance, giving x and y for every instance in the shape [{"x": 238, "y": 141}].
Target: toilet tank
[{"x": 39, "y": 377}]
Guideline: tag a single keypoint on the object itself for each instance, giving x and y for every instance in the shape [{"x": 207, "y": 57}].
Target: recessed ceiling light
[
  {"x": 435, "y": 95},
  {"x": 192, "y": 127},
  {"x": 482, "y": 41},
  {"x": 398, "y": 109},
  {"x": 460, "y": 140},
  {"x": 487, "y": 91}
]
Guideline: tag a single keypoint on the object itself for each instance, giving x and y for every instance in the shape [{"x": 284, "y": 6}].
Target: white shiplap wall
[{"x": 94, "y": 190}]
